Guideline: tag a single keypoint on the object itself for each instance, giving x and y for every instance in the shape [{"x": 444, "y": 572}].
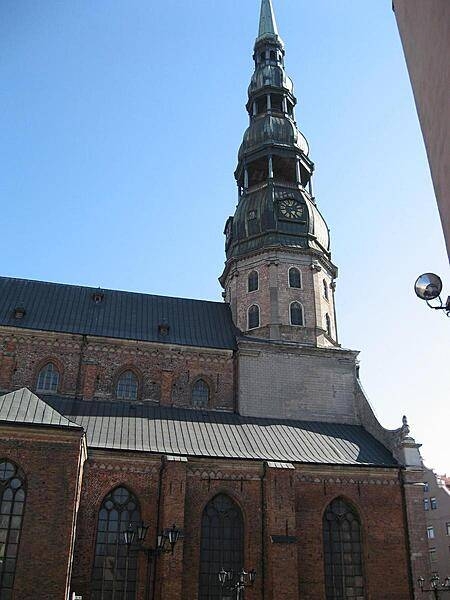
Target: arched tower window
[
  {"x": 296, "y": 314},
  {"x": 200, "y": 394},
  {"x": 325, "y": 289},
  {"x": 115, "y": 568},
  {"x": 328, "y": 324},
  {"x": 48, "y": 379},
  {"x": 253, "y": 316},
  {"x": 343, "y": 554},
  {"x": 12, "y": 502},
  {"x": 295, "y": 279},
  {"x": 221, "y": 544},
  {"x": 253, "y": 281},
  {"x": 127, "y": 386}
]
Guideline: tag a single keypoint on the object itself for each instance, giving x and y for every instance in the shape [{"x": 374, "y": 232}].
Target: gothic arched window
[
  {"x": 200, "y": 394},
  {"x": 253, "y": 281},
  {"x": 328, "y": 324},
  {"x": 253, "y": 316},
  {"x": 127, "y": 386},
  {"x": 295, "y": 279},
  {"x": 48, "y": 379},
  {"x": 343, "y": 553},
  {"x": 221, "y": 544},
  {"x": 12, "y": 501},
  {"x": 296, "y": 315},
  {"x": 115, "y": 567}
]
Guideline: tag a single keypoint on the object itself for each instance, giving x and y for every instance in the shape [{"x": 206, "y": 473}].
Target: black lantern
[{"x": 129, "y": 535}]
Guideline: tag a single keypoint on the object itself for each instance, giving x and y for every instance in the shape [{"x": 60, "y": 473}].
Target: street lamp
[
  {"x": 165, "y": 541},
  {"x": 428, "y": 287},
  {"x": 435, "y": 585},
  {"x": 237, "y": 581}
]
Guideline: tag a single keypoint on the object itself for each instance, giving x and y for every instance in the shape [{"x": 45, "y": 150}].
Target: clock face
[{"x": 290, "y": 209}]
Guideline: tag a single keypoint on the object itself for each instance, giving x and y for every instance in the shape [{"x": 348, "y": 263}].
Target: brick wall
[
  {"x": 275, "y": 501},
  {"x": 274, "y": 296},
  {"x": 52, "y": 462},
  {"x": 90, "y": 367}
]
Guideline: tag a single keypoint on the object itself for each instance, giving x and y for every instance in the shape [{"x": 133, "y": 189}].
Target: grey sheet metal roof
[
  {"x": 187, "y": 432},
  {"x": 24, "y": 407},
  {"x": 126, "y": 315}
]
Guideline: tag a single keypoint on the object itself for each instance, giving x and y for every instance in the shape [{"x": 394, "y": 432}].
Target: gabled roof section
[
  {"x": 187, "y": 432},
  {"x": 38, "y": 305},
  {"x": 24, "y": 407}
]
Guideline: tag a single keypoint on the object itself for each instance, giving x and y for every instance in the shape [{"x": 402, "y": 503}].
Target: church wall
[
  {"x": 277, "y": 500},
  {"x": 90, "y": 367},
  {"x": 296, "y": 383},
  {"x": 52, "y": 460}
]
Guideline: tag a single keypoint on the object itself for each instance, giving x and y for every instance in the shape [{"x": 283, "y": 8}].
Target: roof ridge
[{"x": 106, "y": 289}]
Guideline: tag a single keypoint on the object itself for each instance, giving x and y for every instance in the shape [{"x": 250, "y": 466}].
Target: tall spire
[{"x": 267, "y": 21}]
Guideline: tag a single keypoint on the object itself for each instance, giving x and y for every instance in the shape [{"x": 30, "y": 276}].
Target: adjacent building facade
[
  {"x": 436, "y": 502},
  {"x": 243, "y": 423},
  {"x": 425, "y": 33}
]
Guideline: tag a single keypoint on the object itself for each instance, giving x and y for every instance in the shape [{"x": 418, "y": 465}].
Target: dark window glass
[
  {"x": 253, "y": 281},
  {"x": 276, "y": 102},
  {"x": 294, "y": 278},
  {"x": 127, "y": 386},
  {"x": 296, "y": 314},
  {"x": 221, "y": 546},
  {"x": 253, "y": 316},
  {"x": 200, "y": 394},
  {"x": 325, "y": 289},
  {"x": 115, "y": 568},
  {"x": 48, "y": 379},
  {"x": 433, "y": 503},
  {"x": 426, "y": 504},
  {"x": 342, "y": 546},
  {"x": 12, "y": 502},
  {"x": 328, "y": 324},
  {"x": 273, "y": 55}
]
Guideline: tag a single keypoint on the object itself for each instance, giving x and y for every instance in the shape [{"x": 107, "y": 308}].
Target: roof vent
[
  {"x": 98, "y": 297},
  {"x": 163, "y": 328},
  {"x": 19, "y": 312}
]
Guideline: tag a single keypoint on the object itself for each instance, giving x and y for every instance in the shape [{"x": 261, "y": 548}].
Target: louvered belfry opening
[
  {"x": 343, "y": 554},
  {"x": 221, "y": 545}
]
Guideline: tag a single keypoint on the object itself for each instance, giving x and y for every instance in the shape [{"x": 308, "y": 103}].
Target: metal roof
[
  {"x": 24, "y": 407},
  {"x": 116, "y": 314},
  {"x": 188, "y": 432}
]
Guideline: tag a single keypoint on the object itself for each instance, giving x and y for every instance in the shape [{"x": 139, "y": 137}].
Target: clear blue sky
[{"x": 120, "y": 124}]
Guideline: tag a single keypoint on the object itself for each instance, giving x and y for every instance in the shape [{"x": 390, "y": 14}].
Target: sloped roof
[
  {"x": 24, "y": 407},
  {"x": 124, "y": 315},
  {"x": 188, "y": 432}
]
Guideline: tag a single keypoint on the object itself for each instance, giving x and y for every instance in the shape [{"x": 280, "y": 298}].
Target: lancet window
[
  {"x": 221, "y": 544},
  {"x": 253, "y": 281},
  {"x": 253, "y": 316},
  {"x": 48, "y": 379},
  {"x": 127, "y": 386},
  {"x": 12, "y": 503},
  {"x": 115, "y": 567},
  {"x": 343, "y": 553},
  {"x": 200, "y": 394},
  {"x": 296, "y": 314}
]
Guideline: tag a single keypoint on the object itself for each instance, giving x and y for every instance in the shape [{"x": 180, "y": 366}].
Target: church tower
[{"x": 278, "y": 278}]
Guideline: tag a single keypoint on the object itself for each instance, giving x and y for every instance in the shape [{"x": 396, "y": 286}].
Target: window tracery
[
  {"x": 200, "y": 394},
  {"x": 127, "y": 386},
  {"x": 221, "y": 545},
  {"x": 343, "y": 554},
  {"x": 12, "y": 503},
  {"x": 115, "y": 568},
  {"x": 48, "y": 379}
]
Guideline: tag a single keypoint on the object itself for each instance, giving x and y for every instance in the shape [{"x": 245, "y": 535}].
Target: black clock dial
[{"x": 291, "y": 209}]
